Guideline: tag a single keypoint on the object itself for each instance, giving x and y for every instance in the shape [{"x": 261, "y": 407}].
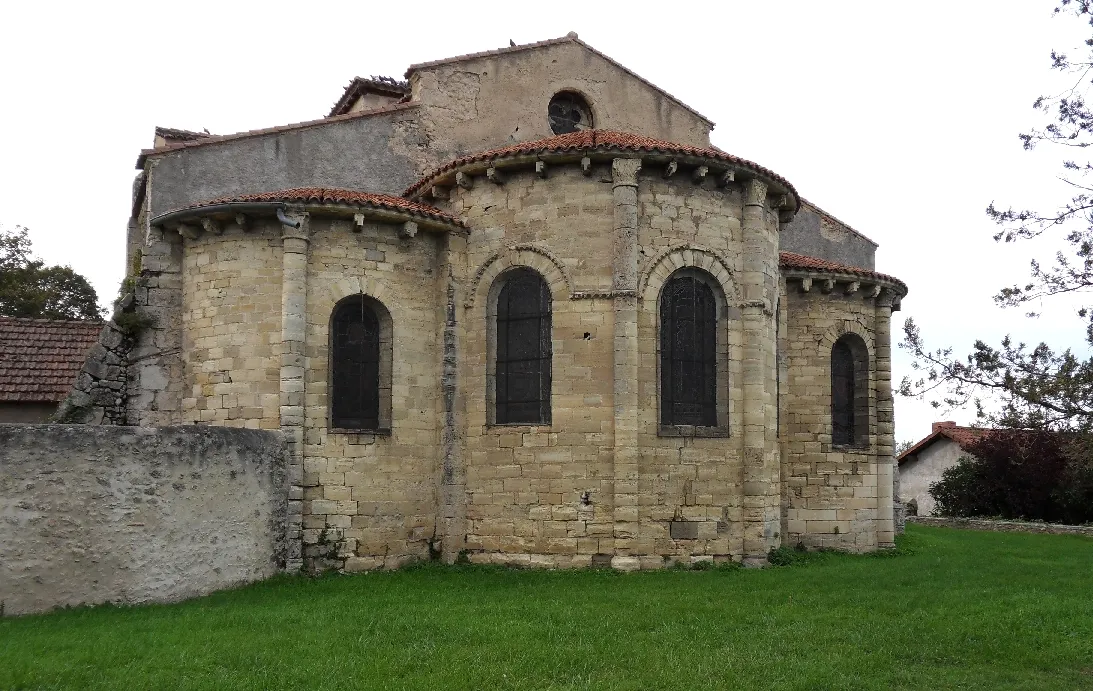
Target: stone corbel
[
  {"x": 407, "y": 230},
  {"x": 586, "y": 166},
  {"x": 852, "y": 287},
  {"x": 495, "y": 176},
  {"x": 698, "y": 175},
  {"x": 873, "y": 292},
  {"x": 670, "y": 169},
  {"x": 540, "y": 169},
  {"x": 463, "y": 180},
  {"x": 828, "y": 285},
  {"x": 725, "y": 178},
  {"x": 785, "y": 215},
  {"x": 188, "y": 231},
  {"x": 211, "y": 226},
  {"x": 241, "y": 221},
  {"x": 806, "y": 285},
  {"x": 438, "y": 192},
  {"x": 358, "y": 223}
]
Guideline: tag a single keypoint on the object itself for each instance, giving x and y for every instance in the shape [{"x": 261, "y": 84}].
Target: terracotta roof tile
[
  {"x": 963, "y": 436},
  {"x": 792, "y": 260},
  {"x": 326, "y": 195},
  {"x": 569, "y": 38},
  {"x": 374, "y": 84},
  {"x": 40, "y": 358},
  {"x": 602, "y": 140}
]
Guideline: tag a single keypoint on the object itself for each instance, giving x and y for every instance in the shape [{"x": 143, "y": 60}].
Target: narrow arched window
[
  {"x": 688, "y": 352},
  {"x": 360, "y": 364},
  {"x": 849, "y": 392},
  {"x": 523, "y": 349}
]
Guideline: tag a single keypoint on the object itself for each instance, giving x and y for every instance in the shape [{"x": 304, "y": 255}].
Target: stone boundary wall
[
  {"x": 92, "y": 514},
  {"x": 1002, "y": 526}
]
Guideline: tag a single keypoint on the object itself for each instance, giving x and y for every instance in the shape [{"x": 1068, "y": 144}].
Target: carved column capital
[
  {"x": 299, "y": 230},
  {"x": 755, "y": 193},
  {"x": 624, "y": 171}
]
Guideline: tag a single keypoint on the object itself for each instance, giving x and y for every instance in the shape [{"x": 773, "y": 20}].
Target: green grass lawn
[{"x": 955, "y": 609}]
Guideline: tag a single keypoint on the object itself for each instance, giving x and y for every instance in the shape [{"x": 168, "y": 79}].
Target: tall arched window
[
  {"x": 688, "y": 352},
  {"x": 849, "y": 392},
  {"x": 360, "y": 367},
  {"x": 522, "y": 364}
]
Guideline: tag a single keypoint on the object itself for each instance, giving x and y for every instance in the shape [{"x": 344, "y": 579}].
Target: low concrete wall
[
  {"x": 93, "y": 514},
  {"x": 1002, "y": 526}
]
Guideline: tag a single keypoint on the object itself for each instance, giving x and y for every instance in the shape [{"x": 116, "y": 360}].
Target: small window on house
[
  {"x": 688, "y": 352},
  {"x": 521, "y": 317},
  {"x": 849, "y": 392},
  {"x": 569, "y": 112},
  {"x": 360, "y": 369}
]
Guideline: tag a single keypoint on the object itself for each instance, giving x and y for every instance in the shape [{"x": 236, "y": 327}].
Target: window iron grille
[
  {"x": 842, "y": 394},
  {"x": 355, "y": 372},
  {"x": 688, "y": 352},
  {"x": 523, "y": 367}
]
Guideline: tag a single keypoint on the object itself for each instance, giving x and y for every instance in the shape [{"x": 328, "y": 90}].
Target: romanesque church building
[{"x": 517, "y": 308}]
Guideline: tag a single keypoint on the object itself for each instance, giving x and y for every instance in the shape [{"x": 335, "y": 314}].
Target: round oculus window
[{"x": 569, "y": 112}]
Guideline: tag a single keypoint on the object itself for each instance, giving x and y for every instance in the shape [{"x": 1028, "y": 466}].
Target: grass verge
[{"x": 955, "y": 609}]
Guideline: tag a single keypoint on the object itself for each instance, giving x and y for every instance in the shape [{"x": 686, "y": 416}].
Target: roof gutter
[{"x": 228, "y": 207}]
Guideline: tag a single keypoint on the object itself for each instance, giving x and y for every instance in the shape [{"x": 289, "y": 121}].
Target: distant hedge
[{"x": 1023, "y": 474}]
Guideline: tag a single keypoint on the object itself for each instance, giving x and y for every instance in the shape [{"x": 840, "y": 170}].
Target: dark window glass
[
  {"x": 568, "y": 112},
  {"x": 842, "y": 393},
  {"x": 688, "y": 353},
  {"x": 355, "y": 374},
  {"x": 523, "y": 350}
]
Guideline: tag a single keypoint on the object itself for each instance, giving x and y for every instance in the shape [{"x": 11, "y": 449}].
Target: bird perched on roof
[{"x": 512, "y": 43}]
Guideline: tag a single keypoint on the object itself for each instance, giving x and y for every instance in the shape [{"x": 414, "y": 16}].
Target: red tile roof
[
  {"x": 326, "y": 195},
  {"x": 602, "y": 140},
  {"x": 963, "y": 436},
  {"x": 792, "y": 260},
  {"x": 568, "y": 38},
  {"x": 360, "y": 86},
  {"x": 180, "y": 135},
  {"x": 40, "y": 358}
]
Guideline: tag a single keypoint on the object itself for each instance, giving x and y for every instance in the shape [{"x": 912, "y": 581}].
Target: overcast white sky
[{"x": 901, "y": 119}]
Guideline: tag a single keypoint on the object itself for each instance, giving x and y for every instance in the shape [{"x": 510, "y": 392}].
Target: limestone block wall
[
  {"x": 690, "y": 487},
  {"x": 231, "y": 327},
  {"x": 370, "y": 500},
  {"x": 96, "y": 514},
  {"x": 829, "y": 493},
  {"x": 541, "y": 494}
]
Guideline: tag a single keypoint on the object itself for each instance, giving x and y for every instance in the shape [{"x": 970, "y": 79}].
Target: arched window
[
  {"x": 688, "y": 352},
  {"x": 522, "y": 363},
  {"x": 849, "y": 392},
  {"x": 360, "y": 367}
]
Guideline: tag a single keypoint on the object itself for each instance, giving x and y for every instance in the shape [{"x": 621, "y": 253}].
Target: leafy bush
[{"x": 1021, "y": 474}]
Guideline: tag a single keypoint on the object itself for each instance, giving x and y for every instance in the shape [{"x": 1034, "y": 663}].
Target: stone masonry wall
[
  {"x": 370, "y": 500},
  {"x": 829, "y": 494},
  {"x": 231, "y": 327},
  {"x": 94, "y": 514},
  {"x": 542, "y": 495}
]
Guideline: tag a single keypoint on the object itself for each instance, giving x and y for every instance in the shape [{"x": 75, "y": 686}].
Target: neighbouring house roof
[
  {"x": 373, "y": 85},
  {"x": 334, "y": 196},
  {"x": 571, "y": 37},
  {"x": 792, "y": 260},
  {"x": 40, "y": 358},
  {"x": 963, "y": 436},
  {"x": 603, "y": 141}
]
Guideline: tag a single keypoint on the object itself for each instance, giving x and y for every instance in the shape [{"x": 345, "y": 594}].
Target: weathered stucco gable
[
  {"x": 485, "y": 102},
  {"x": 815, "y": 233}
]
